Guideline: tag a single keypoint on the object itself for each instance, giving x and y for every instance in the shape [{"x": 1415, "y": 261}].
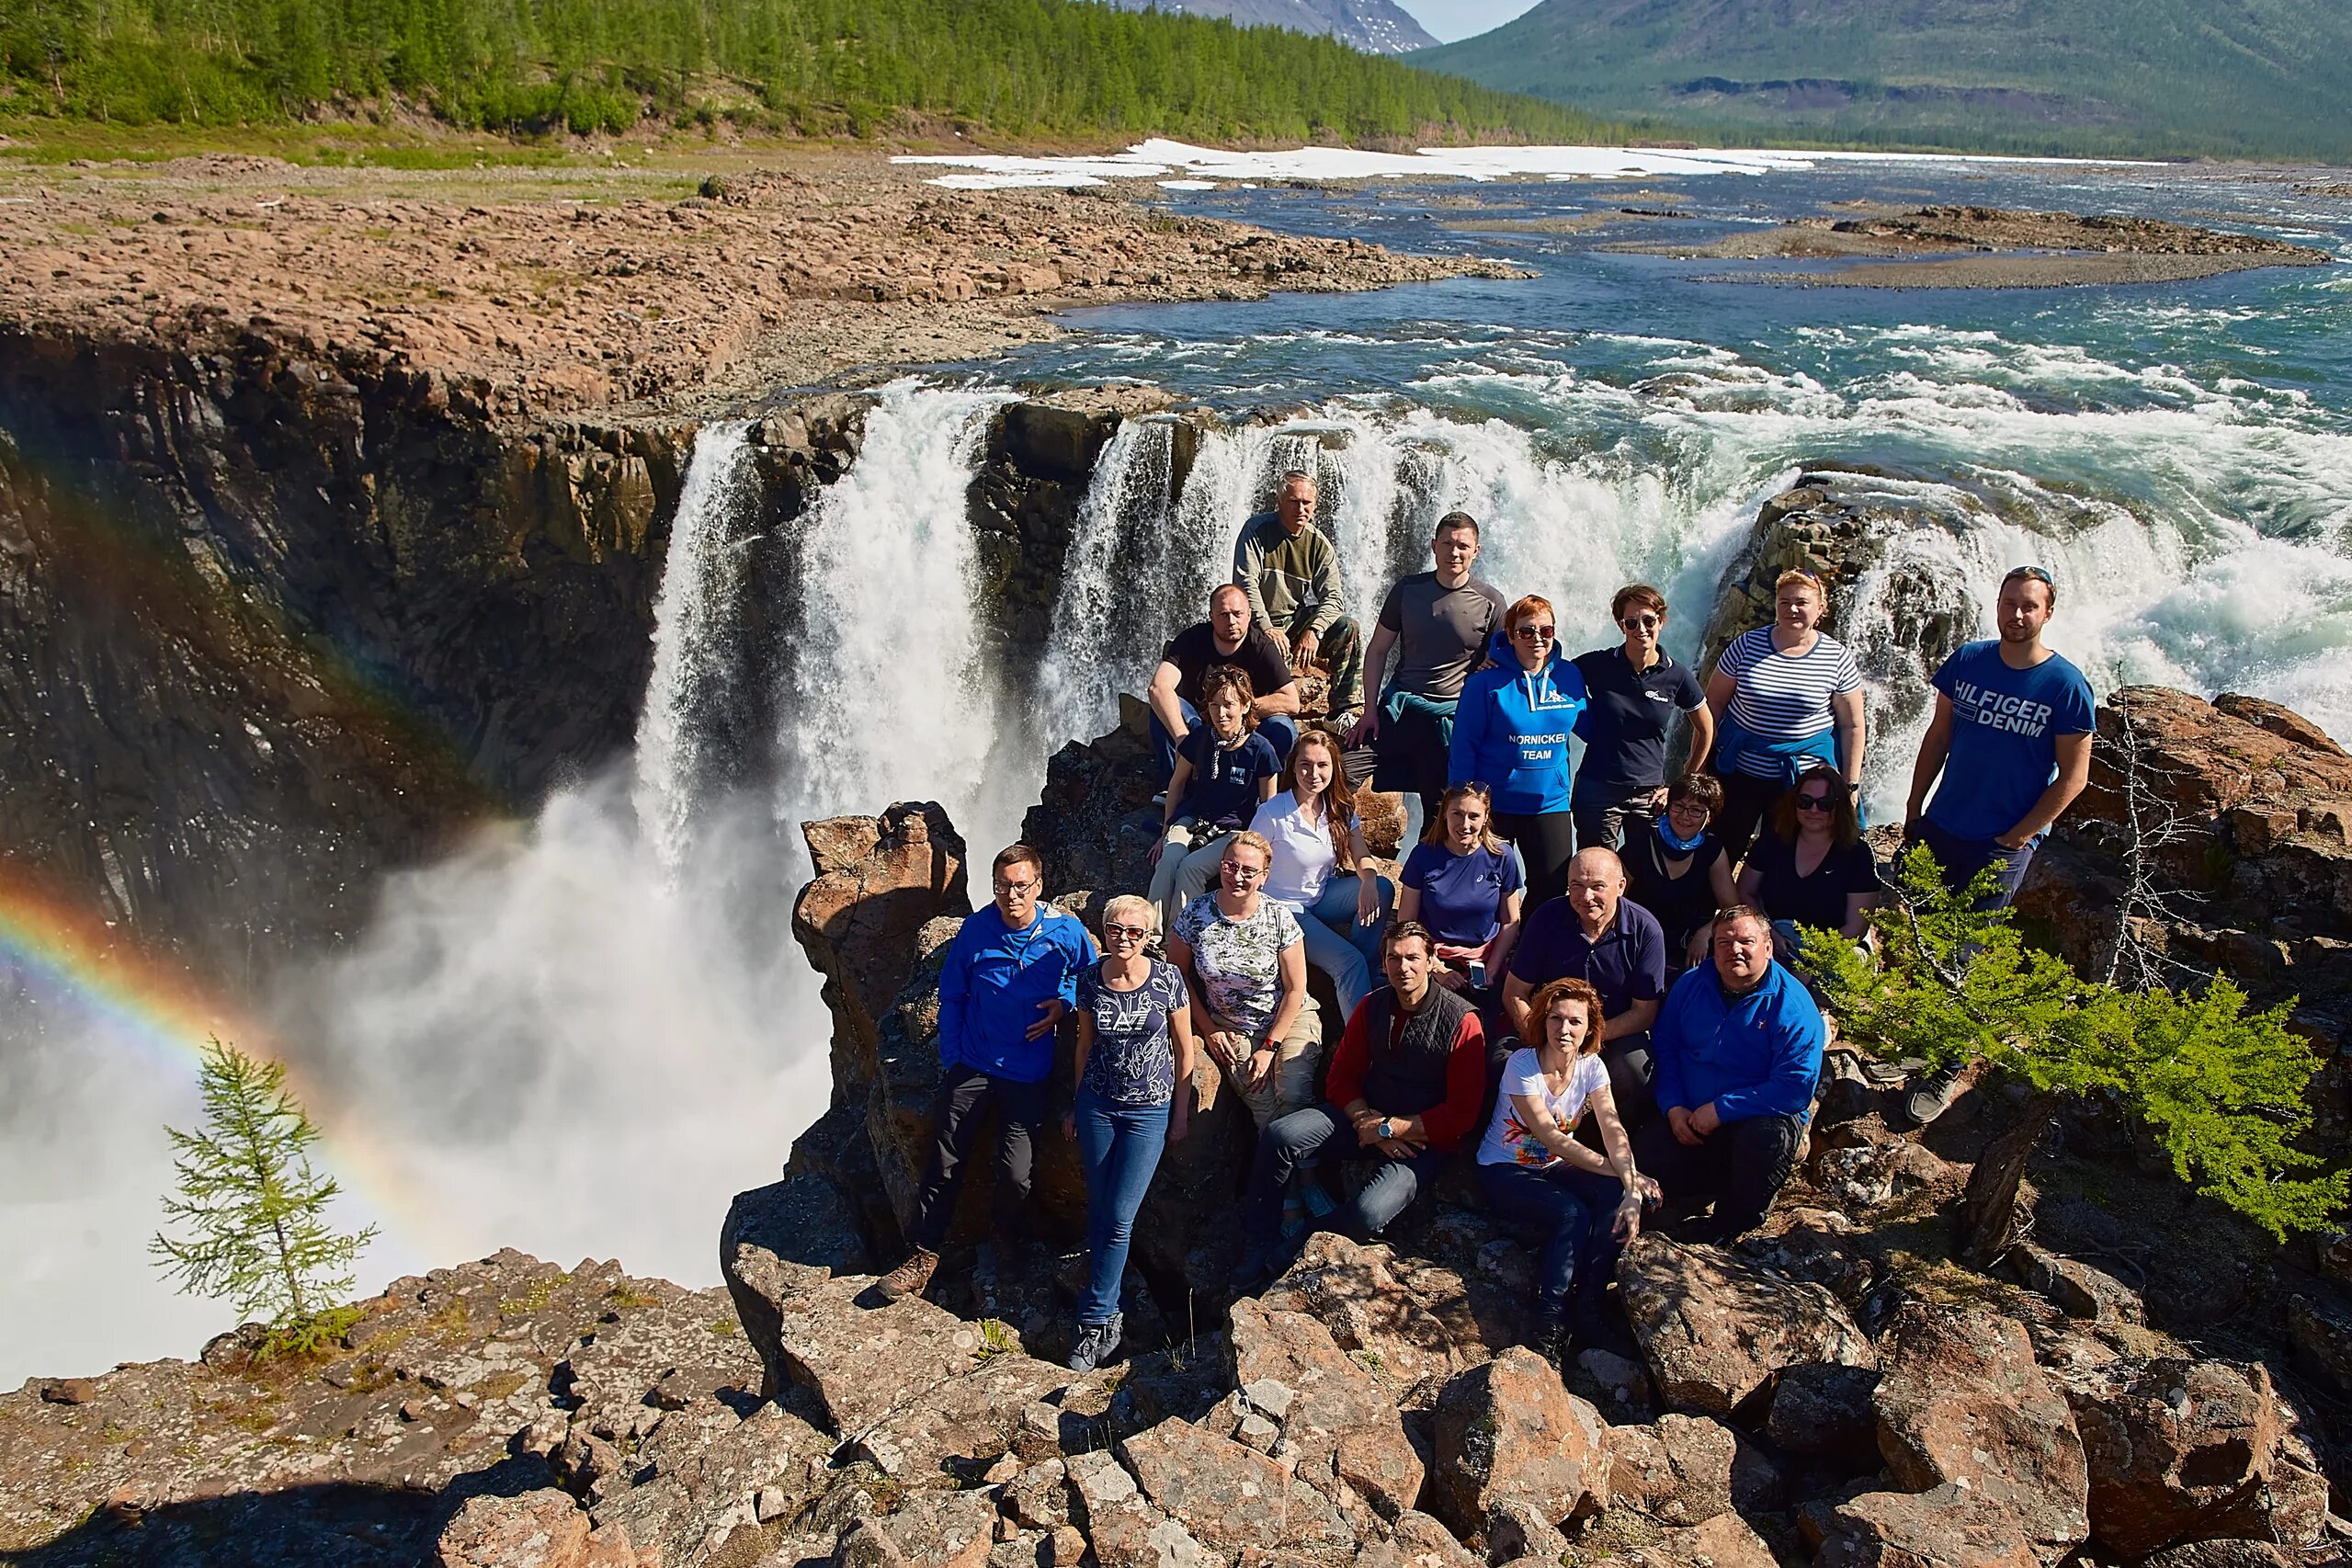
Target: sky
[{"x": 1449, "y": 19}]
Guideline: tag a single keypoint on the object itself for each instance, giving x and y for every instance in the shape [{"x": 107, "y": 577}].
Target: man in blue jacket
[
  {"x": 1737, "y": 1049},
  {"x": 1011, "y": 974}
]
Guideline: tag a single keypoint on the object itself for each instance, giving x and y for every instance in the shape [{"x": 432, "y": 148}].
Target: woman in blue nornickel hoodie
[{"x": 1511, "y": 735}]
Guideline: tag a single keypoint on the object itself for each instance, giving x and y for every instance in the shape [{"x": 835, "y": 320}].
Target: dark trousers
[
  {"x": 1572, "y": 1213},
  {"x": 1547, "y": 842},
  {"x": 1604, "y": 824},
  {"x": 1630, "y": 1073},
  {"x": 1960, "y": 859},
  {"x": 1741, "y": 1165},
  {"x": 966, "y": 1095},
  {"x": 1747, "y": 800},
  {"x": 1278, "y": 728},
  {"x": 1295, "y": 1140}
]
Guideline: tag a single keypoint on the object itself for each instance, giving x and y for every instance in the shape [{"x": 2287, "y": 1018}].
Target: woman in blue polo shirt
[
  {"x": 1467, "y": 887},
  {"x": 1511, "y": 733}
]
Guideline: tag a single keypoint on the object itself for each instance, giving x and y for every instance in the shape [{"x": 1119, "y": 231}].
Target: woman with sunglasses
[
  {"x": 1134, "y": 1073},
  {"x": 1632, "y": 694},
  {"x": 1511, "y": 735},
  {"x": 1814, "y": 867},
  {"x": 1244, "y": 961}
]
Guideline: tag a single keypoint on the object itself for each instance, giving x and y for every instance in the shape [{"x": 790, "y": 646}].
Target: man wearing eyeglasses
[
  {"x": 1011, "y": 974},
  {"x": 1632, "y": 694},
  {"x": 1437, "y": 623},
  {"x": 2008, "y": 748}
]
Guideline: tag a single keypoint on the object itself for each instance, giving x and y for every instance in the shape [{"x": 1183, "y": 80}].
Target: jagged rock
[
  {"x": 1421, "y": 1542},
  {"x": 1679, "y": 1470},
  {"x": 1723, "y": 1541},
  {"x": 1351, "y": 1290},
  {"x": 761, "y": 1255},
  {"x": 1516, "y": 1529},
  {"x": 699, "y": 1485},
  {"x": 1946, "y": 1527},
  {"x": 1125, "y": 1530},
  {"x": 2171, "y": 1444},
  {"x": 961, "y": 1424},
  {"x": 1039, "y": 1497},
  {"x": 1715, "y": 1329},
  {"x": 2322, "y": 1340},
  {"x": 878, "y": 881},
  {"x": 537, "y": 1530},
  {"x": 1826, "y": 1411},
  {"x": 1229, "y": 1496},
  {"x": 1960, "y": 1399},
  {"x": 1619, "y": 1388},
  {"x": 2220, "y": 1554},
  {"x": 933, "y": 1529},
  {"x": 1338, "y": 1414},
  {"x": 2078, "y": 1290},
  {"x": 1507, "y": 1430},
  {"x": 864, "y": 1362}
]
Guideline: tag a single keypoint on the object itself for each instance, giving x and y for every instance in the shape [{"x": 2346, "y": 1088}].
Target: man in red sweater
[{"x": 1404, "y": 1090}]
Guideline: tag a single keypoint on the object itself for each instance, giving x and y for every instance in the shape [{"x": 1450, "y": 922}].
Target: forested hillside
[
  {"x": 2147, "y": 77},
  {"x": 1011, "y": 67}
]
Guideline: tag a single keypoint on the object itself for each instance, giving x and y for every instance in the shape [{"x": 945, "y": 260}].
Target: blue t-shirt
[
  {"x": 1222, "y": 791},
  {"x": 1131, "y": 1062},
  {"x": 1462, "y": 895},
  {"x": 2006, "y": 726}
]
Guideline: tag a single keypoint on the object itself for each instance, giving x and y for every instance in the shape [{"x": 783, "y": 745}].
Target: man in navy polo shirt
[
  {"x": 1738, "y": 1048},
  {"x": 1594, "y": 933},
  {"x": 2011, "y": 741}
]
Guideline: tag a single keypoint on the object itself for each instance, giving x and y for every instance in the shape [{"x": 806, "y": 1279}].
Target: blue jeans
[
  {"x": 1960, "y": 859},
  {"x": 1296, "y": 1140},
  {"x": 1573, "y": 1211},
  {"x": 1119, "y": 1145},
  {"x": 1279, "y": 730},
  {"x": 1336, "y": 945}
]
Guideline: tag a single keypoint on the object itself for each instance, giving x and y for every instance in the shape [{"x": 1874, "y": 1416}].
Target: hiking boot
[
  {"x": 1549, "y": 1340},
  {"x": 1254, "y": 1273},
  {"x": 1096, "y": 1342},
  {"x": 909, "y": 1277},
  {"x": 1934, "y": 1095}
]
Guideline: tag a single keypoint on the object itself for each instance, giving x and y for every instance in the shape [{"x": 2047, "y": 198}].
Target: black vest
[{"x": 1409, "y": 1077}]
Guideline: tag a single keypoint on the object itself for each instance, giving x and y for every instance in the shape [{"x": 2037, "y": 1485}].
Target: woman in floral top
[
  {"x": 1243, "y": 956},
  {"x": 1535, "y": 1174},
  {"x": 1134, "y": 1056}
]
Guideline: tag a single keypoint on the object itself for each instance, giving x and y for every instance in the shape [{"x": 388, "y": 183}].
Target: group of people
[{"x": 1590, "y": 971}]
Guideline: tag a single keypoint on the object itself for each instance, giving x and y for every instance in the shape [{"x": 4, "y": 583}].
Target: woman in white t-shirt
[
  {"x": 1535, "y": 1174},
  {"x": 1319, "y": 871}
]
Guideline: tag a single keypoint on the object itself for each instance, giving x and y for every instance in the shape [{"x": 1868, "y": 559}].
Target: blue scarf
[{"x": 1679, "y": 845}]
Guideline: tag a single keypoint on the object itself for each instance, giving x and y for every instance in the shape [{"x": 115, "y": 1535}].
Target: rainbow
[{"x": 66, "y": 954}]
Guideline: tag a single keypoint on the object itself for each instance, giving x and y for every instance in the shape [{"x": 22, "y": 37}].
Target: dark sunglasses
[
  {"x": 1535, "y": 633},
  {"x": 1124, "y": 932},
  {"x": 1641, "y": 623},
  {"x": 1812, "y": 803}
]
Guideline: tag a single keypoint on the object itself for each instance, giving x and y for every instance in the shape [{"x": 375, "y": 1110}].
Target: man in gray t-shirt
[{"x": 1437, "y": 623}]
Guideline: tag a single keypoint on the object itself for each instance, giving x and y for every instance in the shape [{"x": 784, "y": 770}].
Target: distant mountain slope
[
  {"x": 1377, "y": 27},
  {"x": 2225, "y": 77}
]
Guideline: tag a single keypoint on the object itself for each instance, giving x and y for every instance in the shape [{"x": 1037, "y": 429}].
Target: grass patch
[{"x": 626, "y": 1297}]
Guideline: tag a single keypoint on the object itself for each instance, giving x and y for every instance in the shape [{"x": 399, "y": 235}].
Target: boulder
[
  {"x": 1723, "y": 1541},
  {"x": 1826, "y": 1412},
  {"x": 2075, "y": 1287},
  {"x": 934, "y": 1529},
  {"x": 686, "y": 1490},
  {"x": 536, "y": 1529},
  {"x": 1337, "y": 1413},
  {"x": 1509, "y": 1431},
  {"x": 1228, "y": 1495},
  {"x": 1946, "y": 1527},
  {"x": 1677, "y": 1470},
  {"x": 1716, "y": 1329},
  {"x": 957, "y": 1427},
  {"x": 1962, "y": 1401},
  {"x": 2220, "y": 1554},
  {"x": 775, "y": 1241},
  {"x": 2171, "y": 1444},
  {"x": 1351, "y": 1290},
  {"x": 1123, "y": 1529},
  {"x": 863, "y": 1363}
]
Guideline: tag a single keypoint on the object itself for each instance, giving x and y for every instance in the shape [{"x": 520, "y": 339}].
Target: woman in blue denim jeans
[{"x": 1134, "y": 1073}]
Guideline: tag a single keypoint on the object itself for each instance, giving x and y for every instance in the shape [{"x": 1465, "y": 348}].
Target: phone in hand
[{"x": 1478, "y": 974}]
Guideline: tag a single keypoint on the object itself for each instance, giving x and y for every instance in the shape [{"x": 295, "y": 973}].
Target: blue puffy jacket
[{"x": 1511, "y": 733}]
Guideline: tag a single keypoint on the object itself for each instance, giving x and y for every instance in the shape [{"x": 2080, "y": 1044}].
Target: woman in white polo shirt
[{"x": 1319, "y": 870}]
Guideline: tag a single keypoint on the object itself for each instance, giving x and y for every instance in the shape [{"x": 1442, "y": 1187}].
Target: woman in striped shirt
[{"x": 1783, "y": 696}]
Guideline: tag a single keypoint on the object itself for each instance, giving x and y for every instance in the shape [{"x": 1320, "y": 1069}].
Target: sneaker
[
  {"x": 1096, "y": 1342},
  {"x": 1934, "y": 1095},
  {"x": 909, "y": 1277}
]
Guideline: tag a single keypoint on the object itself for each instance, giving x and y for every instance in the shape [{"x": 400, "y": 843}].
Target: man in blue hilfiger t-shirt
[
  {"x": 2011, "y": 741},
  {"x": 1011, "y": 974}
]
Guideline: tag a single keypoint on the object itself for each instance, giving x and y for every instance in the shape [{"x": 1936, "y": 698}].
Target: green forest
[{"x": 1017, "y": 68}]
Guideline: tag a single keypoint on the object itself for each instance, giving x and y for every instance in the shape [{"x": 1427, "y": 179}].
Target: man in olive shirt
[
  {"x": 1438, "y": 623},
  {"x": 1290, "y": 573}
]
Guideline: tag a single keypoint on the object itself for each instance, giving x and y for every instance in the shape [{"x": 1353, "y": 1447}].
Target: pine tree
[
  {"x": 2222, "y": 1089},
  {"x": 254, "y": 1209}
]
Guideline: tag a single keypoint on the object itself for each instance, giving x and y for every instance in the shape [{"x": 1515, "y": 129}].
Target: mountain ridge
[
  {"x": 1376, "y": 27},
  {"x": 2249, "y": 78}
]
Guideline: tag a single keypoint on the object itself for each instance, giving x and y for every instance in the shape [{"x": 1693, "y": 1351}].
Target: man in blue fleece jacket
[
  {"x": 1737, "y": 1049},
  {"x": 1011, "y": 974}
]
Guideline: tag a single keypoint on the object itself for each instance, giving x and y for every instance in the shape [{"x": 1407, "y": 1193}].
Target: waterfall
[
  {"x": 1119, "y": 601},
  {"x": 694, "y": 633},
  {"x": 885, "y": 693}
]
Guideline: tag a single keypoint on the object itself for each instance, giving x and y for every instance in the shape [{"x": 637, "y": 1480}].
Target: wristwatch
[{"x": 1385, "y": 1133}]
